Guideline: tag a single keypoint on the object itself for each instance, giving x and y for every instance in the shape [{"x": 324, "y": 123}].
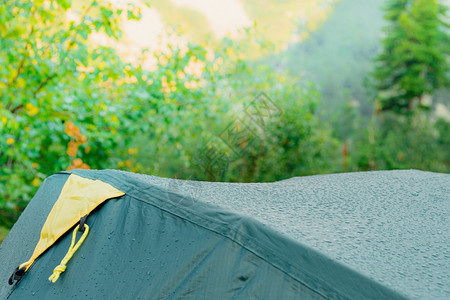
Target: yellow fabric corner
[{"x": 78, "y": 198}]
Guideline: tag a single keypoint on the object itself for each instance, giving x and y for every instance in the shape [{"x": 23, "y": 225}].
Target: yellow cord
[{"x": 72, "y": 249}]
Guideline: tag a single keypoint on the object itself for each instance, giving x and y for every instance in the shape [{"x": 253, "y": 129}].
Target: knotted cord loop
[{"x": 72, "y": 249}]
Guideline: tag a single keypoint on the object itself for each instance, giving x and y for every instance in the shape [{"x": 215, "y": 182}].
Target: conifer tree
[{"x": 414, "y": 58}]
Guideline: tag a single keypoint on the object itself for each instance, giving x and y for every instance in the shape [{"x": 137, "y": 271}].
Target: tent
[{"x": 368, "y": 235}]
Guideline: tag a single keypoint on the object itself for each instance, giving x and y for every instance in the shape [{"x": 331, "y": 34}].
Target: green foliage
[
  {"x": 225, "y": 139},
  {"x": 205, "y": 112},
  {"x": 61, "y": 98},
  {"x": 410, "y": 142},
  {"x": 338, "y": 57},
  {"x": 67, "y": 103},
  {"x": 414, "y": 60},
  {"x": 290, "y": 141}
]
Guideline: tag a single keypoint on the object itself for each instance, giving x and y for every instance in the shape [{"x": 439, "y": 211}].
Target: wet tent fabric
[
  {"x": 368, "y": 235},
  {"x": 79, "y": 196}
]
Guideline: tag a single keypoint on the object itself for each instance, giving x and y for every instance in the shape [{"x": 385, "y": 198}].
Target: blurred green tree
[
  {"x": 414, "y": 59},
  {"x": 67, "y": 102},
  {"x": 58, "y": 106},
  {"x": 249, "y": 123}
]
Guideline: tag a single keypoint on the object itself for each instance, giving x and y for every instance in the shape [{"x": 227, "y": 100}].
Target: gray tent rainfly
[{"x": 370, "y": 235}]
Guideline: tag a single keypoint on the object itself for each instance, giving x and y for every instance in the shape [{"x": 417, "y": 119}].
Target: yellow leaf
[
  {"x": 71, "y": 129},
  {"x": 35, "y": 182},
  {"x": 114, "y": 119},
  {"x": 132, "y": 151},
  {"x": 31, "y": 109},
  {"x": 21, "y": 82},
  {"x": 81, "y": 138},
  {"x": 77, "y": 162},
  {"x": 180, "y": 74},
  {"x": 163, "y": 61},
  {"x": 72, "y": 148}
]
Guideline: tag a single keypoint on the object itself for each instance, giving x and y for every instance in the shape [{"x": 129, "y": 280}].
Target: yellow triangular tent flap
[{"x": 78, "y": 197}]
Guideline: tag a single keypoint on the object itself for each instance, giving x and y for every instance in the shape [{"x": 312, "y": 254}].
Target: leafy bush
[
  {"x": 67, "y": 103},
  {"x": 401, "y": 142},
  {"x": 62, "y": 99},
  {"x": 205, "y": 112},
  {"x": 249, "y": 124}
]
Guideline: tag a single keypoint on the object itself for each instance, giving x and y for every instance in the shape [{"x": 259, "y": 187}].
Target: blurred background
[{"x": 235, "y": 90}]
